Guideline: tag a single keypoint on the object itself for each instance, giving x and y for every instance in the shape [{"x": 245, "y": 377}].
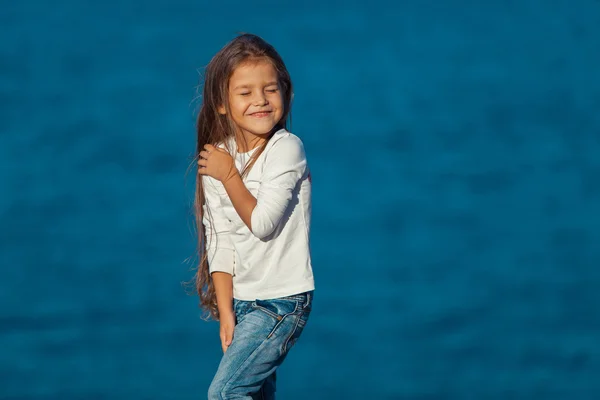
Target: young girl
[{"x": 253, "y": 201}]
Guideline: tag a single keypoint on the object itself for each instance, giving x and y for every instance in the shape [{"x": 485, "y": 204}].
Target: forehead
[{"x": 250, "y": 72}]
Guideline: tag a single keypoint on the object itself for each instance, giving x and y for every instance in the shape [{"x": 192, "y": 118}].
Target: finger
[
  {"x": 224, "y": 344},
  {"x": 204, "y": 154},
  {"x": 209, "y": 147},
  {"x": 229, "y": 338}
]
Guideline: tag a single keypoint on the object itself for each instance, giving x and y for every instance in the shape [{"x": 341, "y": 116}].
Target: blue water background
[{"x": 455, "y": 154}]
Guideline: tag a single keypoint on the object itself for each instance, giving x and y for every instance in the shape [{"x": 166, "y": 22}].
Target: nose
[{"x": 260, "y": 99}]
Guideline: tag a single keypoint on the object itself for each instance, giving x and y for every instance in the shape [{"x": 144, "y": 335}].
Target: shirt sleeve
[
  {"x": 285, "y": 165},
  {"x": 219, "y": 248}
]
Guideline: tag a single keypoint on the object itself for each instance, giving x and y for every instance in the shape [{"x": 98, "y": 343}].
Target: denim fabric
[{"x": 264, "y": 333}]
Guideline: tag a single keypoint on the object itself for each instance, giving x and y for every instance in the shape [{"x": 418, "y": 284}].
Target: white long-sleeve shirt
[{"x": 273, "y": 260}]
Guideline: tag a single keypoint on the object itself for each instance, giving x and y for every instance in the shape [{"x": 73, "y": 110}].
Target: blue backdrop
[{"x": 455, "y": 154}]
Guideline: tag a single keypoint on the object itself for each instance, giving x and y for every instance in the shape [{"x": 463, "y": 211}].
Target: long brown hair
[{"x": 215, "y": 128}]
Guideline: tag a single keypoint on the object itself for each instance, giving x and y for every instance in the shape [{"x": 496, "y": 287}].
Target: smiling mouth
[{"x": 260, "y": 114}]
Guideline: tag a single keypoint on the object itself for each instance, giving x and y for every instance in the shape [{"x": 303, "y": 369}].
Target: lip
[{"x": 260, "y": 114}]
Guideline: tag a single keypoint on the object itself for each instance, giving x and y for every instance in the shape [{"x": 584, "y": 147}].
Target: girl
[{"x": 253, "y": 205}]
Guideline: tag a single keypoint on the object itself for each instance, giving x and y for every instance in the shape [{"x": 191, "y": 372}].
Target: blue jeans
[{"x": 265, "y": 331}]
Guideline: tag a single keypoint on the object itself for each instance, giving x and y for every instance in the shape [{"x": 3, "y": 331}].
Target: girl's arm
[
  {"x": 284, "y": 167},
  {"x": 219, "y": 247},
  {"x": 243, "y": 201},
  {"x": 224, "y": 290},
  {"x": 221, "y": 255}
]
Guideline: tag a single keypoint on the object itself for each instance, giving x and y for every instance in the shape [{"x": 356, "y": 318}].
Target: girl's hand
[
  {"x": 227, "y": 322},
  {"x": 217, "y": 163}
]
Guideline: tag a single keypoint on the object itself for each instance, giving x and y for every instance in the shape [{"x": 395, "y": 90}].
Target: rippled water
[{"x": 455, "y": 156}]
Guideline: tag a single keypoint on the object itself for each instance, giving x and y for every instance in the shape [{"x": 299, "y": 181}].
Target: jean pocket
[
  {"x": 281, "y": 310},
  {"x": 277, "y": 308},
  {"x": 299, "y": 324}
]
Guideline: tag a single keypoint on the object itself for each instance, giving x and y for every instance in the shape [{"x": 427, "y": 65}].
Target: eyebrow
[{"x": 273, "y": 83}]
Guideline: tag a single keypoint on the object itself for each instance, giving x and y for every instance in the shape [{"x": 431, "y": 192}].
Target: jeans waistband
[{"x": 305, "y": 297}]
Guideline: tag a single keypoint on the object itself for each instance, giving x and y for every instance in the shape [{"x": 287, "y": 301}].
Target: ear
[{"x": 221, "y": 110}]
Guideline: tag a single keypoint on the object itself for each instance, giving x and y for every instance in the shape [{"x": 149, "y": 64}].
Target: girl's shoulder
[
  {"x": 227, "y": 143},
  {"x": 285, "y": 141}
]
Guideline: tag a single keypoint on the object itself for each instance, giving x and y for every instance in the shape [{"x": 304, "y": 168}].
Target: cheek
[
  {"x": 236, "y": 103},
  {"x": 277, "y": 99},
  {"x": 238, "y": 107}
]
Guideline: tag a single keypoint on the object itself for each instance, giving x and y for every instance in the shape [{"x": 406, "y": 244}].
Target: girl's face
[{"x": 255, "y": 98}]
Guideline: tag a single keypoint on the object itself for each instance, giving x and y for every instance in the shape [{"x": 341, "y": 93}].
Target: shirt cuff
[{"x": 221, "y": 260}]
